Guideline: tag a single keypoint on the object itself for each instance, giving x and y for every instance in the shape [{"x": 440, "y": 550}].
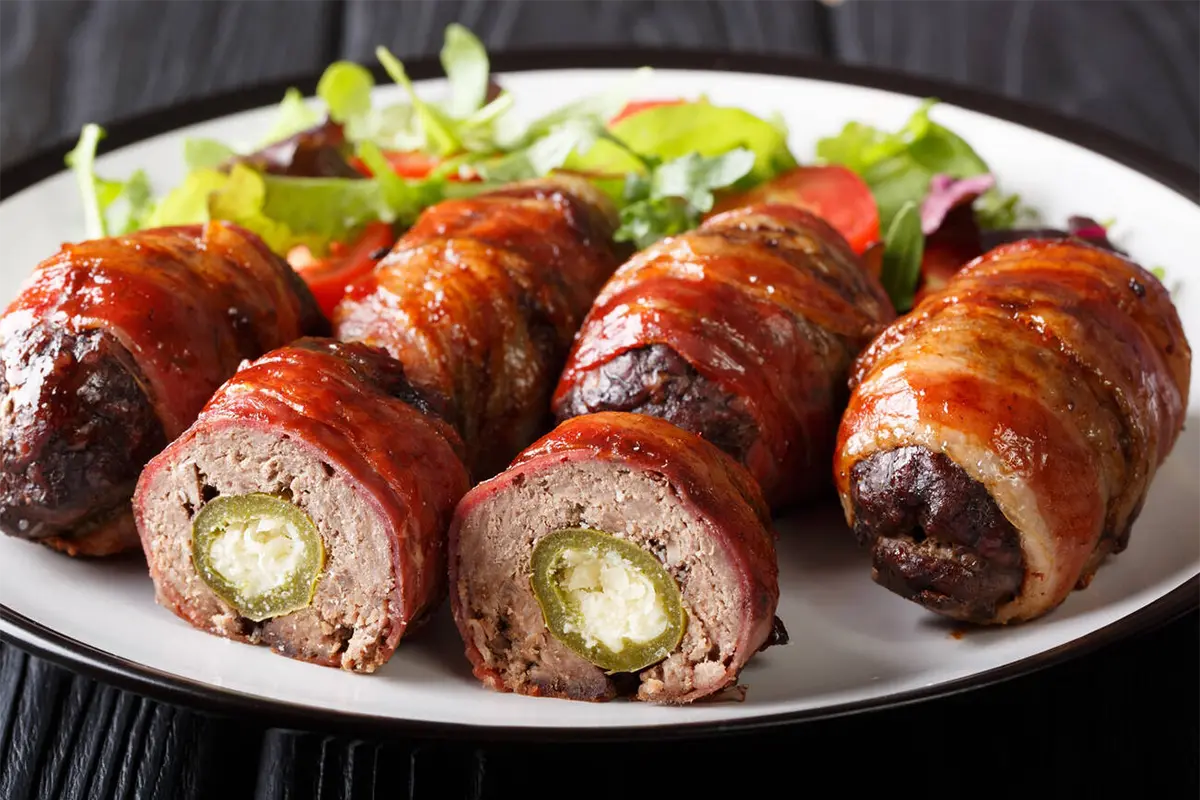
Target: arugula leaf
[
  {"x": 437, "y": 129},
  {"x": 465, "y": 61},
  {"x": 293, "y": 116},
  {"x": 904, "y": 245},
  {"x": 82, "y": 161},
  {"x": 346, "y": 89},
  {"x": 898, "y": 166},
  {"x": 676, "y": 193},
  {"x": 206, "y": 153}
]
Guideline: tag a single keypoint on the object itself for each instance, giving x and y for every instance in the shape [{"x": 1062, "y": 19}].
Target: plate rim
[{"x": 162, "y": 686}]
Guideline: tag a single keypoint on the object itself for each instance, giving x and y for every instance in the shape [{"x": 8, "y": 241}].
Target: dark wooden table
[{"x": 1123, "y": 720}]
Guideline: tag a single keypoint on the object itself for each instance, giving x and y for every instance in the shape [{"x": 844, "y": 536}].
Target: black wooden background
[{"x": 1123, "y": 720}]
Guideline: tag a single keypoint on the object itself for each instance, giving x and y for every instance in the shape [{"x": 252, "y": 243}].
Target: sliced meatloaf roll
[
  {"x": 480, "y": 300},
  {"x": 741, "y": 331},
  {"x": 618, "y": 555},
  {"x": 109, "y": 351},
  {"x": 306, "y": 508},
  {"x": 1000, "y": 439}
]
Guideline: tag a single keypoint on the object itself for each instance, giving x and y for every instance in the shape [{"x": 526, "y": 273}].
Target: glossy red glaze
[
  {"x": 480, "y": 301},
  {"x": 1066, "y": 363},
  {"x": 189, "y": 303},
  {"x": 347, "y": 402},
  {"x": 713, "y": 486},
  {"x": 766, "y": 301}
]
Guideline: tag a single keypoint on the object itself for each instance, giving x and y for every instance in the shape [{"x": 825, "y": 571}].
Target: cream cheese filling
[
  {"x": 617, "y": 604},
  {"x": 257, "y": 555}
]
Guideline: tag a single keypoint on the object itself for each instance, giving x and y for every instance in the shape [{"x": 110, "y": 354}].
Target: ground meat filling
[
  {"x": 936, "y": 535},
  {"x": 76, "y": 428},
  {"x": 658, "y": 382}
]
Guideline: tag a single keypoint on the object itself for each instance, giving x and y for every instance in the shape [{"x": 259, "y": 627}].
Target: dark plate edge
[{"x": 125, "y": 674}]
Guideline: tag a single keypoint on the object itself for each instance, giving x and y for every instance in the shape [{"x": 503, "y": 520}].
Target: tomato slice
[
  {"x": 411, "y": 164},
  {"x": 634, "y": 106},
  {"x": 328, "y": 277},
  {"x": 833, "y": 193}
]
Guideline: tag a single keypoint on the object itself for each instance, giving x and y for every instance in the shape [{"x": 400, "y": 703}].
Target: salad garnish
[
  {"x": 333, "y": 175},
  {"x": 904, "y": 245}
]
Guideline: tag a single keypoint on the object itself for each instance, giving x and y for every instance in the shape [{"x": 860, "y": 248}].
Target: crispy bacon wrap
[
  {"x": 480, "y": 301},
  {"x": 335, "y": 431},
  {"x": 109, "y": 351},
  {"x": 741, "y": 331},
  {"x": 687, "y": 508},
  {"x": 1000, "y": 439}
]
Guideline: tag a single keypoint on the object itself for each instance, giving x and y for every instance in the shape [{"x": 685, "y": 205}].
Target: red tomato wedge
[
  {"x": 634, "y": 106},
  {"x": 411, "y": 164},
  {"x": 328, "y": 277},
  {"x": 833, "y": 193}
]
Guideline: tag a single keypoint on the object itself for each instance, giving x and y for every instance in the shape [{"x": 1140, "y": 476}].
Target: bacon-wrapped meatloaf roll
[
  {"x": 618, "y": 555},
  {"x": 1000, "y": 439},
  {"x": 741, "y": 331},
  {"x": 306, "y": 508},
  {"x": 480, "y": 301},
  {"x": 110, "y": 351}
]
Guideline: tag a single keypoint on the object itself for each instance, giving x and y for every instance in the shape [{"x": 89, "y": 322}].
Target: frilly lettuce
[
  {"x": 672, "y": 131},
  {"x": 899, "y": 166},
  {"x": 661, "y": 165},
  {"x": 101, "y": 196}
]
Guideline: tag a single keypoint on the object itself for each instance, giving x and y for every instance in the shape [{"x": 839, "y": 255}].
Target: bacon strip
[
  {"x": 170, "y": 311},
  {"x": 769, "y": 303},
  {"x": 1052, "y": 373},
  {"x": 480, "y": 301}
]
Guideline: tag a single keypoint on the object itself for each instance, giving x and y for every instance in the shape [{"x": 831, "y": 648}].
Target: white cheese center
[
  {"x": 258, "y": 555},
  {"x": 617, "y": 603}
]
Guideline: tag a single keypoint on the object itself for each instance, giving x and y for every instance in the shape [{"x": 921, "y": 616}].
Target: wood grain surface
[{"x": 1123, "y": 721}]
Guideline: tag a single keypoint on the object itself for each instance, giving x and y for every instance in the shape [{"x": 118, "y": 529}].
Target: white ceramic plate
[{"x": 853, "y": 644}]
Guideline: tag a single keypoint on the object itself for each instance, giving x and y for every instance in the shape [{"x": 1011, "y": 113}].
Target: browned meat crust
[
  {"x": 656, "y": 381},
  {"x": 75, "y": 438},
  {"x": 936, "y": 536}
]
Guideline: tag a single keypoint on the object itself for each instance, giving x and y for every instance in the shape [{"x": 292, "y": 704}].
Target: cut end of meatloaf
[
  {"x": 658, "y": 382},
  {"x": 347, "y": 624},
  {"x": 936, "y": 536},
  {"x": 502, "y": 623},
  {"x": 76, "y": 428}
]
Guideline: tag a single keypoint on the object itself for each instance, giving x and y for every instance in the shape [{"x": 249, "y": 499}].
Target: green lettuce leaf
[
  {"x": 82, "y": 161},
  {"x": 187, "y": 203},
  {"x": 346, "y": 89},
  {"x": 206, "y": 153},
  {"x": 293, "y": 116},
  {"x": 437, "y": 129},
  {"x": 899, "y": 166},
  {"x": 404, "y": 199},
  {"x": 465, "y": 61},
  {"x": 676, "y": 194},
  {"x": 543, "y": 155},
  {"x": 104, "y": 198},
  {"x": 904, "y": 246},
  {"x": 597, "y": 109},
  {"x": 671, "y": 131},
  {"x": 288, "y": 211}
]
